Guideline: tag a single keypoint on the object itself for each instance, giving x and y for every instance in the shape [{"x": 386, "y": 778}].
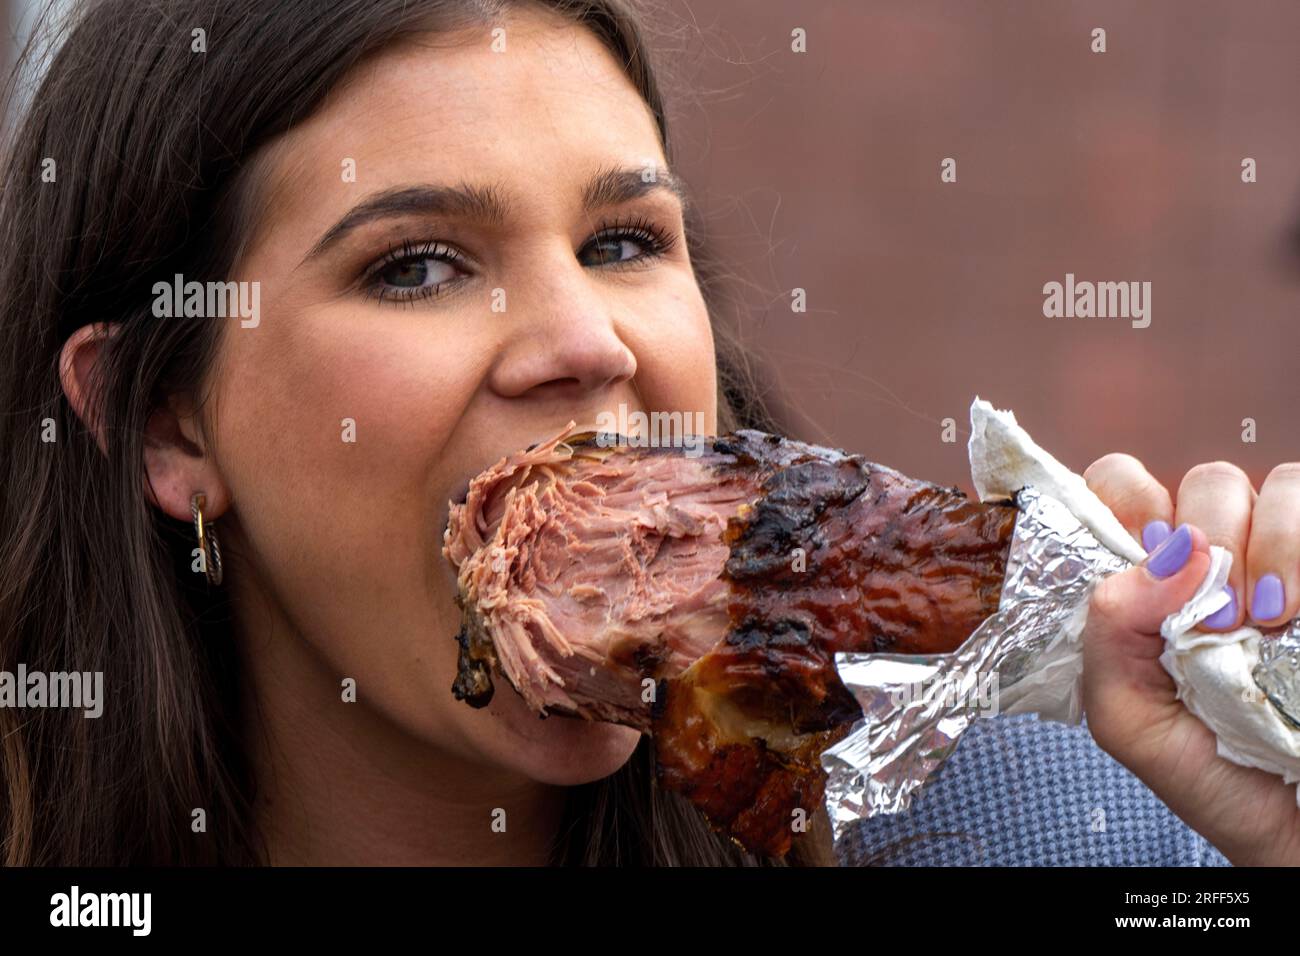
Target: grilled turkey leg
[{"x": 701, "y": 598}]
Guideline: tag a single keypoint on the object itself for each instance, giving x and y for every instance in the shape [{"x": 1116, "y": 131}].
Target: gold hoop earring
[{"x": 207, "y": 535}]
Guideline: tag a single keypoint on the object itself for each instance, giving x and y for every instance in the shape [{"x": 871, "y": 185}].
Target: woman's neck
[{"x": 339, "y": 784}]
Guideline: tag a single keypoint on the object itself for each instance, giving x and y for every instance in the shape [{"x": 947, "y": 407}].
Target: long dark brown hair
[{"x": 132, "y": 157}]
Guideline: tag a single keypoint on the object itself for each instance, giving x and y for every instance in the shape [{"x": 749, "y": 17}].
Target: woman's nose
[{"x": 564, "y": 339}]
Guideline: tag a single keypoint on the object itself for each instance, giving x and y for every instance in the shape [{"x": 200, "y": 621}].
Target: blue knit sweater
[{"x": 1023, "y": 792}]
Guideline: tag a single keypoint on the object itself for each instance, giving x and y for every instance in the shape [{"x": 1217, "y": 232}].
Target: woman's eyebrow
[{"x": 489, "y": 205}]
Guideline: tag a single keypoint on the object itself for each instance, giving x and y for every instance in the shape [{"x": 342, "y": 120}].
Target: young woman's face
[{"x": 400, "y": 353}]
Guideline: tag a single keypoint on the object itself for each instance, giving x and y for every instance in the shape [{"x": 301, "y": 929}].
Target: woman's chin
[
  {"x": 561, "y": 751},
  {"x": 580, "y": 751}
]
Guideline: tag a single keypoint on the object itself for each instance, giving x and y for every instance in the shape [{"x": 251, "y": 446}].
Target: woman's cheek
[
  {"x": 331, "y": 456},
  {"x": 676, "y": 364}
]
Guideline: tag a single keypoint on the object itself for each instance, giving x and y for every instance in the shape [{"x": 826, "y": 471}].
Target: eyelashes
[
  {"x": 413, "y": 257},
  {"x": 645, "y": 231},
  {"x": 423, "y": 261}
]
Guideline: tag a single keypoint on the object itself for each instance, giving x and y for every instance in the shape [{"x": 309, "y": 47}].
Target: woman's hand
[{"x": 1129, "y": 698}]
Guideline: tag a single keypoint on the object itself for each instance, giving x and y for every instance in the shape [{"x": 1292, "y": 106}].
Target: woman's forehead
[
  {"x": 541, "y": 116},
  {"x": 460, "y": 90}
]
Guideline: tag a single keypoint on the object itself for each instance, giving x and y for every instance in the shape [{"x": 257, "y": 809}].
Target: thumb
[
  {"x": 1135, "y": 602},
  {"x": 1126, "y": 691}
]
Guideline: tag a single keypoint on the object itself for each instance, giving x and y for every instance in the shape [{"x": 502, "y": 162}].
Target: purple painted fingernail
[
  {"x": 1154, "y": 534},
  {"x": 1169, "y": 558},
  {"x": 1225, "y": 616},
  {"x": 1268, "y": 600}
]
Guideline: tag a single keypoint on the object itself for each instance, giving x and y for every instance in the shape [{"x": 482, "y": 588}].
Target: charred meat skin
[
  {"x": 702, "y": 600},
  {"x": 837, "y": 554}
]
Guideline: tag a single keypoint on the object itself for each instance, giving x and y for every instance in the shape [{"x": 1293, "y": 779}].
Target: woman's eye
[
  {"x": 417, "y": 273},
  {"x": 637, "y": 241},
  {"x": 610, "y": 250},
  {"x": 412, "y": 272}
]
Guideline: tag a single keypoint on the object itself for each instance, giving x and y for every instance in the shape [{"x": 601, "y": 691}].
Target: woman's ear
[
  {"x": 176, "y": 462},
  {"x": 77, "y": 363}
]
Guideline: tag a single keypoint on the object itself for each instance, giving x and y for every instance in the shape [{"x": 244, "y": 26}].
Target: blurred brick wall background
[{"x": 821, "y": 170}]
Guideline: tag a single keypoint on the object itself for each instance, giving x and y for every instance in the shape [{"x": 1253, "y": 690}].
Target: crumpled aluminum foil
[
  {"x": 916, "y": 707},
  {"x": 1278, "y": 673},
  {"x": 1025, "y": 658}
]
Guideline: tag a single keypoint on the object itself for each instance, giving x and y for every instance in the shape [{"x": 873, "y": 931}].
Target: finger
[
  {"x": 1126, "y": 606},
  {"x": 1218, "y": 498},
  {"x": 1137, "y": 499},
  {"x": 1273, "y": 553}
]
